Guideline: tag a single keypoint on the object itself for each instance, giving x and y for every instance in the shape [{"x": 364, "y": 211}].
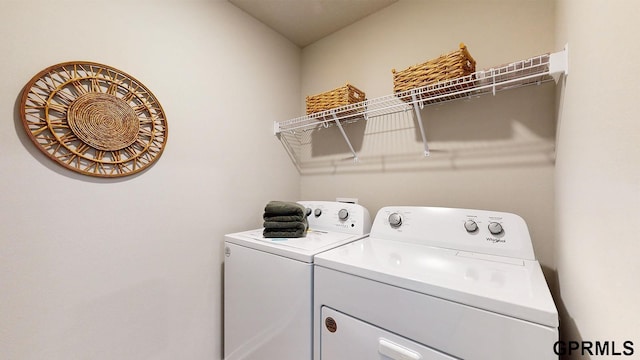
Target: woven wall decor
[{"x": 93, "y": 119}]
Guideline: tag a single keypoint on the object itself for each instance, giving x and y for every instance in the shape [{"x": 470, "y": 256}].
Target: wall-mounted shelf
[{"x": 532, "y": 71}]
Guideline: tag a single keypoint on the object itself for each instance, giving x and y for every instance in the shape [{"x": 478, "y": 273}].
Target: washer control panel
[
  {"x": 337, "y": 216},
  {"x": 481, "y": 231}
]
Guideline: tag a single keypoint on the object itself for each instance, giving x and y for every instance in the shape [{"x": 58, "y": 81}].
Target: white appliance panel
[
  {"x": 507, "y": 286},
  {"x": 346, "y": 338},
  {"x": 337, "y": 217},
  {"x": 456, "y": 329},
  {"x": 301, "y": 249},
  {"x": 268, "y": 282},
  {"x": 279, "y": 295},
  {"x": 445, "y": 228},
  {"x": 462, "y": 282}
]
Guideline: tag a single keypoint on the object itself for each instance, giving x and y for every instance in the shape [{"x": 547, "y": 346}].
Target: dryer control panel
[
  {"x": 478, "y": 231},
  {"x": 337, "y": 216}
]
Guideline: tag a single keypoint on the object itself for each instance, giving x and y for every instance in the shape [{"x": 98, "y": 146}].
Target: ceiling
[{"x": 306, "y": 21}]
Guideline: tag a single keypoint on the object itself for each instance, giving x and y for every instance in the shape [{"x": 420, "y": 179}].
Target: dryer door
[{"x": 347, "y": 338}]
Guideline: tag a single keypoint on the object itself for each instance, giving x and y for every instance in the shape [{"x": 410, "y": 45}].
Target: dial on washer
[
  {"x": 395, "y": 220},
  {"x": 495, "y": 228},
  {"x": 470, "y": 226}
]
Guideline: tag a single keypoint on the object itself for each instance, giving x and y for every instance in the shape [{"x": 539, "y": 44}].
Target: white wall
[
  {"x": 130, "y": 268},
  {"x": 488, "y": 153},
  {"x": 597, "y": 173}
]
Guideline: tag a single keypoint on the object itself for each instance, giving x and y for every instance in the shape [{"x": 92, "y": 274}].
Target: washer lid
[
  {"x": 504, "y": 285},
  {"x": 302, "y": 249}
]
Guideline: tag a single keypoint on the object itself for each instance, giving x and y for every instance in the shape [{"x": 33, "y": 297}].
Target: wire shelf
[{"x": 535, "y": 70}]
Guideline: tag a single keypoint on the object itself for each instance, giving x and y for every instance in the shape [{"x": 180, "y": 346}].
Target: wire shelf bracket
[
  {"x": 559, "y": 63},
  {"x": 416, "y": 109},
  {"x": 344, "y": 134}
]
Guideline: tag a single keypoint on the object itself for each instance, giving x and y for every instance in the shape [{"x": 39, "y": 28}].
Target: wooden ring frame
[{"x": 93, "y": 119}]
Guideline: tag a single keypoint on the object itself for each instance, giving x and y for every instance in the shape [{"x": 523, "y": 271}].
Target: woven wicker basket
[
  {"x": 341, "y": 96},
  {"x": 453, "y": 65}
]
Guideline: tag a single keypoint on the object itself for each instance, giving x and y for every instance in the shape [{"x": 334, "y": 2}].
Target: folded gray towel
[
  {"x": 285, "y": 225},
  {"x": 284, "y": 218},
  {"x": 280, "y": 208},
  {"x": 287, "y": 229},
  {"x": 284, "y": 233}
]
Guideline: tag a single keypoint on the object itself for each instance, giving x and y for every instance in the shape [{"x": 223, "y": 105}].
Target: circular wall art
[{"x": 93, "y": 119}]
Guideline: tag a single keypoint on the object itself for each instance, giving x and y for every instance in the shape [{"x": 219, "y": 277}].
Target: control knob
[
  {"x": 395, "y": 220},
  {"x": 308, "y": 212},
  {"x": 343, "y": 214},
  {"x": 317, "y": 212},
  {"x": 470, "y": 226},
  {"x": 495, "y": 228}
]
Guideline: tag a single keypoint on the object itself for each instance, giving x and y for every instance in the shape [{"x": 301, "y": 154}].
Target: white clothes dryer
[
  {"x": 434, "y": 283},
  {"x": 268, "y": 283}
]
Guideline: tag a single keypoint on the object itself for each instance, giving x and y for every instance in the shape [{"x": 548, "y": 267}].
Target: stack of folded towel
[{"x": 284, "y": 219}]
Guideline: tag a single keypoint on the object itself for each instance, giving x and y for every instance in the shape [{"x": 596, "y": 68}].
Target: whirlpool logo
[{"x": 594, "y": 348}]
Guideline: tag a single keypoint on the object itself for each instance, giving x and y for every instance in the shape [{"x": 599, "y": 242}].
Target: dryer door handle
[{"x": 395, "y": 351}]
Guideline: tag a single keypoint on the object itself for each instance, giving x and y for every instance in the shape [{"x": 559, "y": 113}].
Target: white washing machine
[
  {"x": 268, "y": 283},
  {"x": 434, "y": 283}
]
